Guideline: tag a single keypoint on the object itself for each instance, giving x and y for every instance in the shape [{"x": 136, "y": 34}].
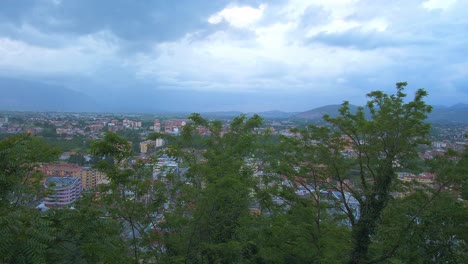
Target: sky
[{"x": 206, "y": 55}]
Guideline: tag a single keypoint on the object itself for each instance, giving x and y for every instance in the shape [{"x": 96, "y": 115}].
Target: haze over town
[{"x": 228, "y": 55}]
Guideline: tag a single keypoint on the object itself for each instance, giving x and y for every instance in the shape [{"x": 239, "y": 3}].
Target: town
[
  {"x": 158, "y": 180},
  {"x": 73, "y": 171}
]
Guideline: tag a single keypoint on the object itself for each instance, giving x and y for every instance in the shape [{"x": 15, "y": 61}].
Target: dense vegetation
[{"x": 237, "y": 201}]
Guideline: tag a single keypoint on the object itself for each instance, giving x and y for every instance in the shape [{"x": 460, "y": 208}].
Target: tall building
[
  {"x": 65, "y": 191},
  {"x": 91, "y": 178},
  {"x": 146, "y": 146},
  {"x": 157, "y": 126}
]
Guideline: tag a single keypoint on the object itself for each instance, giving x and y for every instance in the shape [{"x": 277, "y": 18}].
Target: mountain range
[
  {"x": 23, "y": 95},
  {"x": 441, "y": 114}
]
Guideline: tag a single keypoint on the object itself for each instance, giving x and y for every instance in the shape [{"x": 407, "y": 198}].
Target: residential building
[
  {"x": 164, "y": 166},
  {"x": 157, "y": 126},
  {"x": 424, "y": 177},
  {"x": 65, "y": 191},
  {"x": 91, "y": 178},
  {"x": 146, "y": 146},
  {"x": 62, "y": 170}
]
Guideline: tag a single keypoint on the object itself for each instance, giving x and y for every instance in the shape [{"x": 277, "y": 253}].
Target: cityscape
[
  {"x": 73, "y": 132},
  {"x": 233, "y": 131},
  {"x": 76, "y": 174}
]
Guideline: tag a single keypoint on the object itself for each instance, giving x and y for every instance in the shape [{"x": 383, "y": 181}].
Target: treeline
[{"x": 328, "y": 195}]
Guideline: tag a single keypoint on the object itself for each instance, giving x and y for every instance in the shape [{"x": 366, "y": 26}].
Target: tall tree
[
  {"x": 383, "y": 141},
  {"x": 127, "y": 199},
  {"x": 367, "y": 148},
  {"x": 221, "y": 182}
]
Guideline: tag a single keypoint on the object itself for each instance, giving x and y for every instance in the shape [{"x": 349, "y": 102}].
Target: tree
[
  {"x": 24, "y": 234},
  {"x": 366, "y": 147},
  {"x": 383, "y": 142},
  {"x": 78, "y": 159},
  {"x": 20, "y": 156},
  {"x": 428, "y": 224},
  {"x": 133, "y": 199},
  {"x": 55, "y": 236},
  {"x": 315, "y": 223},
  {"x": 84, "y": 235},
  {"x": 212, "y": 205}
]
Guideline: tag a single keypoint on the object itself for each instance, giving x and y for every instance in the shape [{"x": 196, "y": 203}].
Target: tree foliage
[
  {"x": 328, "y": 194},
  {"x": 56, "y": 236}
]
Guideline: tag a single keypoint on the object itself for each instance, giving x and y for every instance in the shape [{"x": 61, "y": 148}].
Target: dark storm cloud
[
  {"x": 236, "y": 55},
  {"x": 128, "y": 19}
]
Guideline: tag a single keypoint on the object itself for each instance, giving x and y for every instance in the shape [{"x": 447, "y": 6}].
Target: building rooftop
[{"x": 60, "y": 182}]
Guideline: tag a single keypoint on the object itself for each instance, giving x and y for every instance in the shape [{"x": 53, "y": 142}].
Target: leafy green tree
[
  {"x": 77, "y": 159},
  {"x": 24, "y": 234},
  {"x": 383, "y": 142},
  {"x": 428, "y": 224},
  {"x": 212, "y": 207},
  {"x": 27, "y": 235},
  {"x": 306, "y": 164},
  {"x": 132, "y": 198},
  {"x": 366, "y": 147},
  {"x": 84, "y": 235},
  {"x": 20, "y": 156},
  {"x": 49, "y": 131},
  {"x": 133, "y": 136}
]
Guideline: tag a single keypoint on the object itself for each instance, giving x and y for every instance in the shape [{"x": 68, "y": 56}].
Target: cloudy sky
[{"x": 206, "y": 55}]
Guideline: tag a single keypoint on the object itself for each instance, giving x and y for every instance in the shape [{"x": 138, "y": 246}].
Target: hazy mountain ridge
[
  {"x": 456, "y": 113},
  {"x": 275, "y": 114},
  {"x": 319, "y": 112},
  {"x": 21, "y": 95}
]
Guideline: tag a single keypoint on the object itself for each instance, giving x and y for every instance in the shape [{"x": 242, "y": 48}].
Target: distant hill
[
  {"x": 273, "y": 114},
  {"x": 22, "y": 95},
  {"x": 266, "y": 114},
  {"x": 221, "y": 114},
  {"x": 457, "y": 113},
  {"x": 318, "y": 113}
]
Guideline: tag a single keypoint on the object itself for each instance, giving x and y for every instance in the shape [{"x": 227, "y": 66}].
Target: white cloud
[
  {"x": 260, "y": 64},
  {"x": 238, "y": 16},
  {"x": 338, "y": 26},
  {"x": 376, "y": 24},
  {"x": 439, "y": 4},
  {"x": 83, "y": 55},
  {"x": 277, "y": 57},
  {"x": 338, "y": 19},
  {"x": 337, "y": 9}
]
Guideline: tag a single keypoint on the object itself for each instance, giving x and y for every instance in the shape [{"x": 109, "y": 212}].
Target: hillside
[
  {"x": 454, "y": 114},
  {"x": 457, "y": 113},
  {"x": 317, "y": 113}
]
